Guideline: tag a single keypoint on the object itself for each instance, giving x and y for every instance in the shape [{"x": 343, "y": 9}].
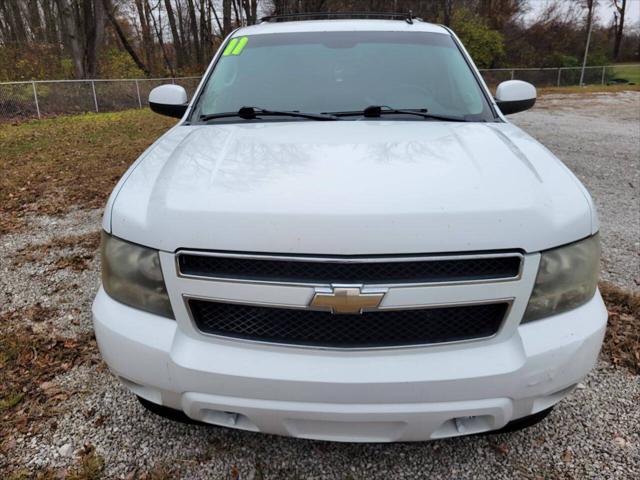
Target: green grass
[
  {"x": 589, "y": 89},
  {"x": 53, "y": 165},
  {"x": 630, "y": 73}
]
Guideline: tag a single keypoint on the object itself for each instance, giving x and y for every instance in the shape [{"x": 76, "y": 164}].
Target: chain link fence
[
  {"x": 559, "y": 77},
  {"x": 49, "y": 98}
]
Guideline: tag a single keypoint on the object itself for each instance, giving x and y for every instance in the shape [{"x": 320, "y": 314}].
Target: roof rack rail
[{"x": 287, "y": 17}]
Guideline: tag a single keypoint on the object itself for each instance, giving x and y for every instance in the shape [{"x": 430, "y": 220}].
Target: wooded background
[{"x": 52, "y": 39}]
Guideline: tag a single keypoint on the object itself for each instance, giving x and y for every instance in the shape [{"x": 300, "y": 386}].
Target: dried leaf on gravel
[
  {"x": 30, "y": 362},
  {"x": 88, "y": 243},
  {"x": 567, "y": 456},
  {"x": 501, "y": 448},
  {"x": 91, "y": 465},
  {"x": 158, "y": 472},
  {"x": 74, "y": 262},
  {"x": 37, "y": 313},
  {"x": 622, "y": 340}
]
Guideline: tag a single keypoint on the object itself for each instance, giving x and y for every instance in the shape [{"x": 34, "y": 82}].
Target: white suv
[{"x": 344, "y": 239}]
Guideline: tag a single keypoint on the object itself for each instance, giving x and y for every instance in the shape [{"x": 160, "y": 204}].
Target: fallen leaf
[
  {"x": 47, "y": 385},
  {"x": 235, "y": 473},
  {"x": 502, "y": 448},
  {"x": 567, "y": 456}
]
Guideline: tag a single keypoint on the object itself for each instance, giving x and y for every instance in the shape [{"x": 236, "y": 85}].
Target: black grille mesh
[
  {"x": 363, "y": 272},
  {"x": 371, "y": 329}
]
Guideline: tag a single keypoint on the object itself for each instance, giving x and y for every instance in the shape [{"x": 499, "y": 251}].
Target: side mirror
[
  {"x": 515, "y": 96},
  {"x": 169, "y": 100}
]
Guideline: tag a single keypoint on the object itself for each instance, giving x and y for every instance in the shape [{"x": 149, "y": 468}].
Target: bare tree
[
  {"x": 157, "y": 26},
  {"x": 251, "y": 11},
  {"x": 618, "y": 26},
  {"x": 447, "y": 8},
  {"x": 142, "y": 7},
  {"x": 19, "y": 27},
  {"x": 69, "y": 23},
  {"x": 226, "y": 17},
  {"x": 123, "y": 38},
  {"x": 194, "y": 30},
  {"x": 35, "y": 21},
  {"x": 177, "y": 43},
  {"x": 215, "y": 14},
  {"x": 51, "y": 25}
]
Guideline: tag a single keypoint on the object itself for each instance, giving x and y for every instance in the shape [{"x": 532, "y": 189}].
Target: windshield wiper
[
  {"x": 376, "y": 111},
  {"x": 251, "y": 113}
]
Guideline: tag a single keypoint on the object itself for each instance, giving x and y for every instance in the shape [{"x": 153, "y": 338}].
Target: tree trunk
[
  {"x": 619, "y": 28},
  {"x": 6, "y": 27},
  {"x": 215, "y": 14},
  {"x": 186, "y": 45},
  {"x": 147, "y": 42},
  {"x": 205, "y": 35},
  {"x": 71, "y": 32},
  {"x": 158, "y": 30},
  {"x": 123, "y": 38},
  {"x": 19, "y": 28},
  {"x": 447, "y": 11},
  {"x": 226, "y": 17},
  {"x": 254, "y": 11},
  {"x": 177, "y": 44},
  {"x": 94, "y": 34},
  {"x": 50, "y": 24},
  {"x": 35, "y": 21},
  {"x": 193, "y": 26},
  {"x": 251, "y": 15},
  {"x": 235, "y": 10}
]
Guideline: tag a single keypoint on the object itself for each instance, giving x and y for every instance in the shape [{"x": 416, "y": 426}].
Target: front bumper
[{"x": 360, "y": 396}]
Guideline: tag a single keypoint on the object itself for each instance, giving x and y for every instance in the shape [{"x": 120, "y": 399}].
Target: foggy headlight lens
[
  {"x": 131, "y": 274},
  {"x": 567, "y": 278}
]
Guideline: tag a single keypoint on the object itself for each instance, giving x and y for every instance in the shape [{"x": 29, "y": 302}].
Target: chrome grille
[{"x": 390, "y": 270}]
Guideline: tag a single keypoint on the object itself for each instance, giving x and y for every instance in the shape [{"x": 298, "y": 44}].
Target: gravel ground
[
  {"x": 593, "y": 434},
  {"x": 601, "y": 144}
]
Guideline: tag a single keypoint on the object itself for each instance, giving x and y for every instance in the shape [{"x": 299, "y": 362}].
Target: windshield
[{"x": 330, "y": 72}]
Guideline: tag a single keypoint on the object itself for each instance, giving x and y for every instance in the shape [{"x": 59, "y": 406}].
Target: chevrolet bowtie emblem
[{"x": 346, "y": 300}]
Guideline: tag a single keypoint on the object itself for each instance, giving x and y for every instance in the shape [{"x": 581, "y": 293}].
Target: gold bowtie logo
[{"x": 346, "y": 300}]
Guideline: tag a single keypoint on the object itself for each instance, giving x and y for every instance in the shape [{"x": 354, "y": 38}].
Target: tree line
[{"x": 126, "y": 38}]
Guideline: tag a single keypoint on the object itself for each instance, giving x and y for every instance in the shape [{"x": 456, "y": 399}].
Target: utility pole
[{"x": 592, "y": 8}]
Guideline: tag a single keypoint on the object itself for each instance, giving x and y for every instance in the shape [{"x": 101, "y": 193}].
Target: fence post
[
  {"x": 559, "y": 72},
  {"x": 138, "y": 91},
  {"x": 35, "y": 98},
  {"x": 604, "y": 68},
  {"x": 95, "y": 99},
  {"x": 512, "y": 74}
]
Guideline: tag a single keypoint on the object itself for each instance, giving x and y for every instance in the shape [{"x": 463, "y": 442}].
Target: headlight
[
  {"x": 567, "y": 278},
  {"x": 131, "y": 274}
]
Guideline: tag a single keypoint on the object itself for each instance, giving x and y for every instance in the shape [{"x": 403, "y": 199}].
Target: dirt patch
[
  {"x": 622, "y": 340},
  {"x": 52, "y": 166}
]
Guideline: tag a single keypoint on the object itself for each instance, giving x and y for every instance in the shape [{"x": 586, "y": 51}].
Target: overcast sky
[{"x": 605, "y": 10}]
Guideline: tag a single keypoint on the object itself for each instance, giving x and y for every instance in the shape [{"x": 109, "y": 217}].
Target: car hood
[{"x": 349, "y": 187}]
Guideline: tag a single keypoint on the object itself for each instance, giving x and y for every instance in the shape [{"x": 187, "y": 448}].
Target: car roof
[{"x": 340, "y": 26}]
